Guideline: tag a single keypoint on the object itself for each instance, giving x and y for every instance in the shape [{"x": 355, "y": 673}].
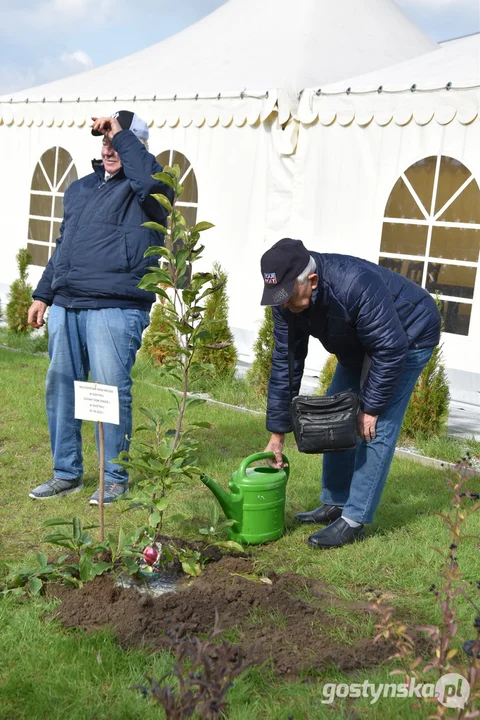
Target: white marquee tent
[
  {"x": 268, "y": 160},
  {"x": 398, "y": 181}
]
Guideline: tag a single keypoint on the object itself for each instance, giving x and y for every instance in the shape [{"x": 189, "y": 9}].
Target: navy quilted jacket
[
  {"x": 98, "y": 261},
  {"x": 358, "y": 308}
]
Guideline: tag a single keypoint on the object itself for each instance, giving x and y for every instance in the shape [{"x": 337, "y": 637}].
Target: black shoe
[
  {"x": 468, "y": 648},
  {"x": 324, "y": 515},
  {"x": 335, "y": 535}
]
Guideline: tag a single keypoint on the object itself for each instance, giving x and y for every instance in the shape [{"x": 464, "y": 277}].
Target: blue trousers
[
  {"x": 103, "y": 342},
  {"x": 354, "y": 479}
]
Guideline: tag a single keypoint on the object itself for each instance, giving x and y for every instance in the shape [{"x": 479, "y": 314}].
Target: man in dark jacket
[
  {"x": 359, "y": 311},
  {"x": 97, "y": 312}
]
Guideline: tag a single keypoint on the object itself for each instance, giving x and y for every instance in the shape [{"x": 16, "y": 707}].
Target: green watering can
[{"x": 256, "y": 501}]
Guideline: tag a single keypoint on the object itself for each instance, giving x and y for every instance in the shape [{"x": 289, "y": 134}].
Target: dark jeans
[{"x": 354, "y": 479}]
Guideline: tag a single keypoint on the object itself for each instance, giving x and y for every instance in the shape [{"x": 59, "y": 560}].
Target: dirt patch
[{"x": 297, "y": 635}]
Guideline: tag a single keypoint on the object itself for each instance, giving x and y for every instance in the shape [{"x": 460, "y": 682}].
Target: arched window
[
  {"x": 52, "y": 176},
  {"x": 431, "y": 234},
  {"x": 188, "y": 203}
]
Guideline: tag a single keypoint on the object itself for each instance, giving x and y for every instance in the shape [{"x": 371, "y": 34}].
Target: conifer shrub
[
  {"x": 159, "y": 343},
  {"x": 20, "y": 296},
  {"x": 326, "y": 375},
  {"x": 427, "y": 412},
  {"x": 219, "y": 351},
  {"x": 259, "y": 374}
]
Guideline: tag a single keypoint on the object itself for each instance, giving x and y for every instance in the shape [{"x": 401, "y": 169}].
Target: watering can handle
[{"x": 261, "y": 456}]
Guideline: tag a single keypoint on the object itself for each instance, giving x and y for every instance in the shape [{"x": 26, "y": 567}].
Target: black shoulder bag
[{"x": 325, "y": 423}]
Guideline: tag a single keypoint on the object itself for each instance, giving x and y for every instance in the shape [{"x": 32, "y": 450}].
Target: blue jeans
[
  {"x": 354, "y": 479},
  {"x": 104, "y": 342}
]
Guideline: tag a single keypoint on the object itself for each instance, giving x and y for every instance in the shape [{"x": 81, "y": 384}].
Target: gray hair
[{"x": 311, "y": 268}]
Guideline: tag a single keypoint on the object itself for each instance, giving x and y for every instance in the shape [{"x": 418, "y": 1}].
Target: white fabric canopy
[
  {"x": 441, "y": 85},
  {"x": 254, "y": 45}
]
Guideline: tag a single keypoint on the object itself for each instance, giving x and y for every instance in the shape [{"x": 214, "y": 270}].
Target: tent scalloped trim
[
  {"x": 443, "y": 115},
  {"x": 238, "y": 111}
]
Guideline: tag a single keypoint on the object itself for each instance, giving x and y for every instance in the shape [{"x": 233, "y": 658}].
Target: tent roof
[
  {"x": 444, "y": 83},
  {"x": 252, "y": 45}
]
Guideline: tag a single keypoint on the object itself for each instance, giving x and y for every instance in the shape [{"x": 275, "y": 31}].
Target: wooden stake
[{"x": 101, "y": 489}]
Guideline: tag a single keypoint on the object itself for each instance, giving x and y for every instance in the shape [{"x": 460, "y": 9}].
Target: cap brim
[{"x": 274, "y": 295}]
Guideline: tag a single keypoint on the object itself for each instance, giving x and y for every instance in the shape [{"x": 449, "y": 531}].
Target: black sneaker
[
  {"x": 54, "y": 488},
  {"x": 324, "y": 515},
  {"x": 335, "y": 535}
]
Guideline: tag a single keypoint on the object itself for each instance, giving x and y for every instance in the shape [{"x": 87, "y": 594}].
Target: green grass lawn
[{"x": 46, "y": 672}]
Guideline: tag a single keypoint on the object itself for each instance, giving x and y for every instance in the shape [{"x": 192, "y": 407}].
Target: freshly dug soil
[{"x": 294, "y": 634}]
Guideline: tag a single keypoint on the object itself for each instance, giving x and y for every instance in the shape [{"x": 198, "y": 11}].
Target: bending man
[{"x": 355, "y": 308}]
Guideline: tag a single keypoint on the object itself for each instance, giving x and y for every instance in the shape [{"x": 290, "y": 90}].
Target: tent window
[
  {"x": 52, "y": 175},
  {"x": 188, "y": 203},
  {"x": 431, "y": 234}
]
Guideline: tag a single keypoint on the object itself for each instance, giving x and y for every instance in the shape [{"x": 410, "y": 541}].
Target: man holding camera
[
  {"x": 357, "y": 310},
  {"x": 98, "y": 314}
]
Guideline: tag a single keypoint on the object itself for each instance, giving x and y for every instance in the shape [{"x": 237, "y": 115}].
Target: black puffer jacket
[
  {"x": 358, "y": 308},
  {"x": 98, "y": 261}
]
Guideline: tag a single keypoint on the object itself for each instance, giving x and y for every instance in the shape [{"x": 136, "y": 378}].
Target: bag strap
[
  {"x": 367, "y": 361},
  {"x": 291, "y": 352}
]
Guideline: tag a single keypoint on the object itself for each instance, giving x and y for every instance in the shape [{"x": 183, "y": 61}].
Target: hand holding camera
[{"x": 106, "y": 126}]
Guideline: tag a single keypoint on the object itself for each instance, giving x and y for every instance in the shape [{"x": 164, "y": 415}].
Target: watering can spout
[{"x": 228, "y": 503}]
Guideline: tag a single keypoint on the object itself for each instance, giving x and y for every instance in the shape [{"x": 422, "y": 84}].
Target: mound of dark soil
[{"x": 295, "y": 634}]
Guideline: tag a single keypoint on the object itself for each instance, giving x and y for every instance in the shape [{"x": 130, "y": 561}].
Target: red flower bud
[{"x": 150, "y": 555}]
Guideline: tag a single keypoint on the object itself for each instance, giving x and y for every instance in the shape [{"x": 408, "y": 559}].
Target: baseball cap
[
  {"x": 280, "y": 266},
  {"x": 129, "y": 121}
]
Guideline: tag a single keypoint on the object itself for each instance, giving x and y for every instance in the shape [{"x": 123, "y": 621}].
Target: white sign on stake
[{"x": 96, "y": 402}]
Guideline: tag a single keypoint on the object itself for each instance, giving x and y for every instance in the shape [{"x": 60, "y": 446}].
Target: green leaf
[
  {"x": 215, "y": 515},
  {"x": 202, "y": 424},
  {"x": 178, "y": 518},
  {"x": 164, "y": 202},
  {"x": 56, "y": 521},
  {"x": 175, "y": 171},
  {"x": 101, "y": 567},
  {"x": 178, "y": 218},
  {"x": 77, "y": 527},
  {"x": 191, "y": 567},
  {"x": 87, "y": 569},
  {"x": 146, "y": 426},
  {"x": 131, "y": 565},
  {"x": 162, "y": 504},
  {"x": 42, "y": 560},
  {"x": 204, "y": 334},
  {"x": 34, "y": 585},
  {"x": 158, "y": 250},
  {"x": 178, "y": 233},
  {"x": 159, "y": 276},
  {"x": 199, "y": 227},
  {"x": 160, "y": 291},
  {"x": 165, "y": 178},
  {"x": 154, "y": 519},
  {"x": 225, "y": 524},
  {"x": 231, "y": 545},
  {"x": 148, "y": 413},
  {"x": 155, "y": 226},
  {"x": 193, "y": 402}
]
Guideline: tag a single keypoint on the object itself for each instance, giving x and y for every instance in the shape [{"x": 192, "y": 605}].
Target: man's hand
[
  {"x": 366, "y": 426},
  {"x": 276, "y": 446},
  {"x": 36, "y": 312},
  {"x": 108, "y": 126}
]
